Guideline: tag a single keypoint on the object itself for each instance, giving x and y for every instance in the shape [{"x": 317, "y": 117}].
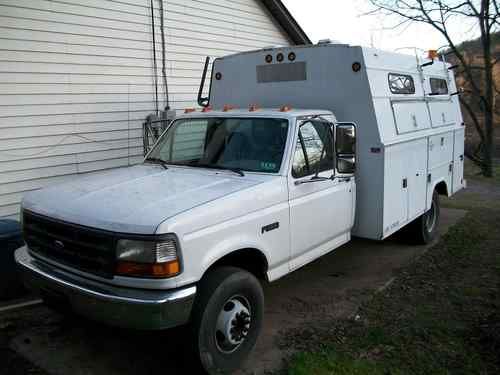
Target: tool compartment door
[
  {"x": 443, "y": 112},
  {"x": 440, "y": 162},
  {"x": 410, "y": 116},
  {"x": 458, "y": 160},
  {"x": 417, "y": 177},
  {"x": 395, "y": 189}
]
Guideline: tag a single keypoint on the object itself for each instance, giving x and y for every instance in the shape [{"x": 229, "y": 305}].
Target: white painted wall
[{"x": 76, "y": 78}]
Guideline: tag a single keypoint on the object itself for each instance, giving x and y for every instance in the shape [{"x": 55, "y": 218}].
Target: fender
[
  {"x": 441, "y": 185},
  {"x": 228, "y": 247}
]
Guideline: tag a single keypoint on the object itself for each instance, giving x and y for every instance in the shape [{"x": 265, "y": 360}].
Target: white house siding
[{"x": 76, "y": 78}]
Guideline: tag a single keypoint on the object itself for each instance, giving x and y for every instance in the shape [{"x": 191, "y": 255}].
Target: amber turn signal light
[
  {"x": 148, "y": 270},
  {"x": 432, "y": 54}
]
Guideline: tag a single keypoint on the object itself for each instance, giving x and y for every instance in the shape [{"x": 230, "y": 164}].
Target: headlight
[{"x": 150, "y": 259}]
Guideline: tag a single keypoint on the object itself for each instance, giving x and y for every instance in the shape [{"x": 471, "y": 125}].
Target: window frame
[
  {"x": 299, "y": 139},
  {"x": 408, "y": 76}
]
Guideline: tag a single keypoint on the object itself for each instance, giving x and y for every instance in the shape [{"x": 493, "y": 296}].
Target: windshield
[{"x": 245, "y": 144}]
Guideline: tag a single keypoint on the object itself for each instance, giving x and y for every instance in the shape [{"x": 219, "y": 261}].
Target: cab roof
[{"x": 262, "y": 112}]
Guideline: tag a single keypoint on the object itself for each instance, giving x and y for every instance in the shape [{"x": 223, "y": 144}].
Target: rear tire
[
  {"x": 227, "y": 318},
  {"x": 424, "y": 229}
]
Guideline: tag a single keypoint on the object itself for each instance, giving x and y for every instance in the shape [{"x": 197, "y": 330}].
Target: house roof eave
[{"x": 287, "y": 21}]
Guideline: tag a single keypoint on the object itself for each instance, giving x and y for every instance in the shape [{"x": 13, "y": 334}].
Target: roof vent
[{"x": 325, "y": 41}]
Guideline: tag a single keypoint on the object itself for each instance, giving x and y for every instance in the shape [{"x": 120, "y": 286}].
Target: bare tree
[{"x": 478, "y": 76}]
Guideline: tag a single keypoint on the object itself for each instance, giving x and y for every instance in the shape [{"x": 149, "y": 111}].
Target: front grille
[{"x": 86, "y": 249}]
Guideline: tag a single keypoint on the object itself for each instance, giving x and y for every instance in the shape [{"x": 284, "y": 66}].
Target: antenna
[{"x": 204, "y": 102}]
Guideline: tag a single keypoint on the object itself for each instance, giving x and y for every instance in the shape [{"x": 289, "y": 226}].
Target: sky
[{"x": 344, "y": 21}]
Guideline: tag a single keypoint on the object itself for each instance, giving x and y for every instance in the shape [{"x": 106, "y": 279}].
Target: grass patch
[
  {"x": 440, "y": 316},
  {"x": 329, "y": 362}
]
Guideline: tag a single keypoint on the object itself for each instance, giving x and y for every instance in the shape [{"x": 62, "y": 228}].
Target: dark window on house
[
  {"x": 314, "y": 149},
  {"x": 439, "y": 86},
  {"x": 401, "y": 84}
]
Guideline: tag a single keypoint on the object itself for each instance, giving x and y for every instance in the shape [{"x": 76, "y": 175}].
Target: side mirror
[
  {"x": 345, "y": 147},
  {"x": 346, "y": 165}
]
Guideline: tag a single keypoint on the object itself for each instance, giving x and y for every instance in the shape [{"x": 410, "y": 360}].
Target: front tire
[
  {"x": 227, "y": 318},
  {"x": 424, "y": 229}
]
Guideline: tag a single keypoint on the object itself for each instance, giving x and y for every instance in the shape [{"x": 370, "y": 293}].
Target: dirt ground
[{"x": 37, "y": 340}]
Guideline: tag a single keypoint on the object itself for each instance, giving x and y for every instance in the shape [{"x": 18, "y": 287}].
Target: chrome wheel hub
[{"x": 233, "y": 324}]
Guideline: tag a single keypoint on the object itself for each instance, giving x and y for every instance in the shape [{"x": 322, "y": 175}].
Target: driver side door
[{"x": 321, "y": 208}]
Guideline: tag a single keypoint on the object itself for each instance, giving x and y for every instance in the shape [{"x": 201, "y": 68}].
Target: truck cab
[{"x": 236, "y": 194}]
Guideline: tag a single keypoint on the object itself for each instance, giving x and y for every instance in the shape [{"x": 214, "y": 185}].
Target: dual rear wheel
[{"x": 424, "y": 229}]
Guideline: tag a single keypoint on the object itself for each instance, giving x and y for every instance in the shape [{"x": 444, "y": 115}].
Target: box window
[
  {"x": 401, "y": 84},
  {"x": 439, "y": 86}
]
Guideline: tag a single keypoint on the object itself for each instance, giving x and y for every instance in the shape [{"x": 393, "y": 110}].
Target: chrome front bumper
[{"x": 117, "y": 306}]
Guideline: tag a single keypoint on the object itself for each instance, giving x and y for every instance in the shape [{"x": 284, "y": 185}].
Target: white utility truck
[{"x": 304, "y": 148}]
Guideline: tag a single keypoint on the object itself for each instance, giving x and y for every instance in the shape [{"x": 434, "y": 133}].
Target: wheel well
[
  {"x": 251, "y": 260},
  {"x": 442, "y": 188}
]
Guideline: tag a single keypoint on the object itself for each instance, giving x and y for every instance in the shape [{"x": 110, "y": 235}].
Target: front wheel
[
  {"x": 425, "y": 228},
  {"x": 227, "y": 318}
]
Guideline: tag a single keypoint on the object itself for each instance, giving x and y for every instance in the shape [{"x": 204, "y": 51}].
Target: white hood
[{"x": 136, "y": 199}]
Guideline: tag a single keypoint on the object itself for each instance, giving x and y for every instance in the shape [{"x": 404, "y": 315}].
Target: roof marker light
[
  {"x": 206, "y": 109},
  {"x": 227, "y": 108},
  {"x": 189, "y": 110},
  {"x": 253, "y": 108},
  {"x": 432, "y": 54},
  {"x": 285, "y": 108}
]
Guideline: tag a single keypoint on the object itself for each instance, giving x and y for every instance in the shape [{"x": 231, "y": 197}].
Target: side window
[
  {"x": 401, "y": 84},
  {"x": 188, "y": 142},
  {"x": 438, "y": 86},
  {"x": 314, "y": 149}
]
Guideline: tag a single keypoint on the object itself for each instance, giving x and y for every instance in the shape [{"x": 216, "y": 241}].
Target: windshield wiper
[
  {"x": 221, "y": 167},
  {"x": 162, "y": 162}
]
